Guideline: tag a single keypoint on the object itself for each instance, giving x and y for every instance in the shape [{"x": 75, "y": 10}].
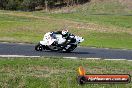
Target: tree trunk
[{"x": 46, "y": 5}]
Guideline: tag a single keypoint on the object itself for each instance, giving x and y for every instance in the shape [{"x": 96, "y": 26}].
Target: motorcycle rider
[
  {"x": 59, "y": 41},
  {"x": 65, "y": 34}
]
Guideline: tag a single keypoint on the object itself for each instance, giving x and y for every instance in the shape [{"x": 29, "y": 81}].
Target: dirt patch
[{"x": 128, "y": 3}]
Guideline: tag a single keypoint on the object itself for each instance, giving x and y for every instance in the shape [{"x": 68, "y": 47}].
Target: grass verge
[
  {"x": 98, "y": 31},
  {"x": 57, "y": 72}
]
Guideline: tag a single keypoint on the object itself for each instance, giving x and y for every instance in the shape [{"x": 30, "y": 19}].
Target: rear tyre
[{"x": 39, "y": 47}]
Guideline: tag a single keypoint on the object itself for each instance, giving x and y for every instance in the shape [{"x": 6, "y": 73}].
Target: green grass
[
  {"x": 22, "y": 29},
  {"x": 111, "y": 40},
  {"x": 110, "y": 31},
  {"x": 56, "y": 72},
  {"x": 109, "y": 20}
]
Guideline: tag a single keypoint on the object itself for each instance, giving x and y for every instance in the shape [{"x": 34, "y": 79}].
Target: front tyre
[
  {"x": 39, "y": 47},
  {"x": 71, "y": 48}
]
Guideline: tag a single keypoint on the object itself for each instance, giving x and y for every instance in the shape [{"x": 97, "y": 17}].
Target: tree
[
  {"x": 3, "y": 4},
  {"x": 29, "y": 5},
  {"x": 12, "y": 5}
]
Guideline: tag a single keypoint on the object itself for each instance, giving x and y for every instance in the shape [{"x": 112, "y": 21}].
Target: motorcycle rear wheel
[{"x": 39, "y": 47}]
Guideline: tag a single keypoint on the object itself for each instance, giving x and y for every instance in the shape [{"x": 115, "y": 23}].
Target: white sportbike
[{"x": 55, "y": 42}]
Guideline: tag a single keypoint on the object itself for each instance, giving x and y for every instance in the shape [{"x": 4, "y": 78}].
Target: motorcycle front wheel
[{"x": 71, "y": 48}]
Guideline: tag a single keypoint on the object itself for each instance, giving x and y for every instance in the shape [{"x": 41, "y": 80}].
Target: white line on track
[
  {"x": 16, "y": 56},
  {"x": 63, "y": 57},
  {"x": 93, "y": 58},
  {"x": 129, "y": 60},
  {"x": 114, "y": 59},
  {"x": 71, "y": 57}
]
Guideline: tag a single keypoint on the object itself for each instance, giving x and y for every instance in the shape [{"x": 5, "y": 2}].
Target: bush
[
  {"x": 12, "y": 5},
  {"x": 29, "y": 5}
]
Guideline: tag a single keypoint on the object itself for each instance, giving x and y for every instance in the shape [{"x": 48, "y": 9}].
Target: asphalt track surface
[{"x": 80, "y": 52}]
